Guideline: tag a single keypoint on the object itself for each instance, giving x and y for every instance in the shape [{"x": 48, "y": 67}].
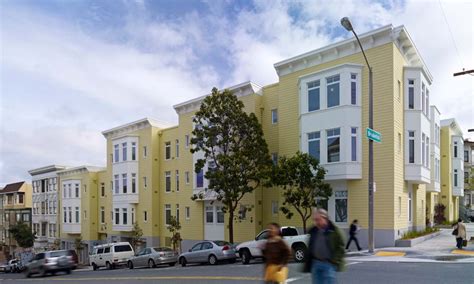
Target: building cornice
[
  {"x": 240, "y": 90},
  {"x": 134, "y": 126},
  {"x": 46, "y": 169},
  {"x": 81, "y": 170},
  {"x": 386, "y": 34},
  {"x": 453, "y": 124},
  {"x": 337, "y": 67}
]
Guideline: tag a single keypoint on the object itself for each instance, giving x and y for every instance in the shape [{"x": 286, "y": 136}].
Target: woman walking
[
  {"x": 277, "y": 255},
  {"x": 460, "y": 233}
]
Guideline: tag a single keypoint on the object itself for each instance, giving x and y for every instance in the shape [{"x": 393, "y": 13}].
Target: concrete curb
[{"x": 415, "y": 241}]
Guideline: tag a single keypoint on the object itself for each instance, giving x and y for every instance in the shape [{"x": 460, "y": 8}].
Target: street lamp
[{"x": 346, "y": 23}]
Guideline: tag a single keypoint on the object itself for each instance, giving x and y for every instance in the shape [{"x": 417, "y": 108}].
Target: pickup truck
[{"x": 252, "y": 249}]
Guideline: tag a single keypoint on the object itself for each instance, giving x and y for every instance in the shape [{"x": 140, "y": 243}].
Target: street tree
[
  {"x": 233, "y": 148},
  {"x": 136, "y": 236},
  {"x": 174, "y": 227},
  {"x": 301, "y": 178},
  {"x": 22, "y": 234}
]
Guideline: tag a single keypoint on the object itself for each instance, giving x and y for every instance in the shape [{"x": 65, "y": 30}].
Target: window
[
  {"x": 167, "y": 214},
  {"x": 124, "y": 152},
  {"x": 200, "y": 179},
  {"x": 145, "y": 216},
  {"x": 77, "y": 214},
  {"x": 354, "y": 144},
  {"x": 275, "y": 158},
  {"x": 134, "y": 151},
  {"x": 102, "y": 189},
  {"x": 134, "y": 183},
  {"x": 411, "y": 147},
  {"x": 274, "y": 207},
  {"x": 167, "y": 181},
  {"x": 70, "y": 214},
  {"x": 209, "y": 214},
  {"x": 177, "y": 213},
  {"x": 124, "y": 216},
  {"x": 122, "y": 248},
  {"x": 186, "y": 140},
  {"x": 116, "y": 153},
  {"x": 466, "y": 156},
  {"x": 455, "y": 149},
  {"x": 117, "y": 216},
  {"x": 466, "y": 177},
  {"x": 423, "y": 149},
  {"x": 274, "y": 116},
  {"x": 102, "y": 215},
  {"x": 177, "y": 148},
  {"x": 411, "y": 94},
  {"x": 423, "y": 92},
  {"x": 186, "y": 176},
  {"x": 69, "y": 188},
  {"x": 144, "y": 152},
  {"x": 341, "y": 206},
  {"x": 332, "y": 91},
  {"x": 455, "y": 178},
  {"x": 314, "y": 144},
  {"x": 65, "y": 215},
  {"x": 187, "y": 213},
  {"x": 133, "y": 215},
  {"x": 427, "y": 102},
  {"x": 20, "y": 198},
  {"x": 167, "y": 150},
  {"x": 177, "y": 180},
  {"x": 427, "y": 145},
  {"x": 354, "y": 89},
  {"x": 124, "y": 183},
  {"x": 144, "y": 182},
  {"x": 333, "y": 138},
  {"x": 399, "y": 90},
  {"x": 220, "y": 215},
  {"x": 313, "y": 96},
  {"x": 116, "y": 184}
]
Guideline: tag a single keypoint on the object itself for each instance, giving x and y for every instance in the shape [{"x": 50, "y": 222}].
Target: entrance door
[{"x": 213, "y": 221}]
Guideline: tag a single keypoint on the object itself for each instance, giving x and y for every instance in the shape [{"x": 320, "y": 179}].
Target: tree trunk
[
  {"x": 231, "y": 226},
  {"x": 304, "y": 225}
]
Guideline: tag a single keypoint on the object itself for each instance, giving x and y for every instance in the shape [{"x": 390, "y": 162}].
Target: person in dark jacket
[
  {"x": 352, "y": 234},
  {"x": 276, "y": 254},
  {"x": 325, "y": 249}
]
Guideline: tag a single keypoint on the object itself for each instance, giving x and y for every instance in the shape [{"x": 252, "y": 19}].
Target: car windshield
[
  {"x": 58, "y": 253},
  {"x": 221, "y": 243},
  {"x": 163, "y": 249}
]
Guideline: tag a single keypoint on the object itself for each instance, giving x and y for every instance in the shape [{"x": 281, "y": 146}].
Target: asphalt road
[{"x": 357, "y": 272}]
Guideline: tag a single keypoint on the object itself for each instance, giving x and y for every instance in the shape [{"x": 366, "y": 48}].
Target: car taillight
[{"x": 226, "y": 248}]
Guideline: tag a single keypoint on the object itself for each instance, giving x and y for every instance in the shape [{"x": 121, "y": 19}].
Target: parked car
[
  {"x": 50, "y": 262},
  {"x": 111, "y": 255},
  {"x": 74, "y": 257},
  {"x": 9, "y": 266},
  {"x": 211, "y": 252},
  {"x": 151, "y": 257},
  {"x": 252, "y": 249}
]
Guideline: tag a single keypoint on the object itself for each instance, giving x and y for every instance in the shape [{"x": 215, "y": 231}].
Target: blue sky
[{"x": 71, "y": 69}]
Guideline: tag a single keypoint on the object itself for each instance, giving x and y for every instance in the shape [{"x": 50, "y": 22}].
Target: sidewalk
[{"x": 441, "y": 248}]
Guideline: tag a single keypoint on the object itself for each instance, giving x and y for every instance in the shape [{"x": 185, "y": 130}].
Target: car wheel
[
  {"x": 172, "y": 264},
  {"x": 299, "y": 253},
  {"x": 68, "y": 271},
  {"x": 43, "y": 272},
  {"x": 94, "y": 266},
  {"x": 151, "y": 263},
  {"x": 130, "y": 264},
  {"x": 182, "y": 261},
  {"x": 212, "y": 259},
  {"x": 245, "y": 255},
  {"x": 232, "y": 260},
  {"x": 108, "y": 265}
]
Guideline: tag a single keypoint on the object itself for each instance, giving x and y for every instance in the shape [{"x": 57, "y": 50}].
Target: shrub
[{"x": 415, "y": 234}]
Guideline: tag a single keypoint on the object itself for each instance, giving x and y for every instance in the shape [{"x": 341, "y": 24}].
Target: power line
[{"x": 451, "y": 33}]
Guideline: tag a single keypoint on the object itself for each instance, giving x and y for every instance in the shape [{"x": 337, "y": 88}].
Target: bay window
[{"x": 333, "y": 142}]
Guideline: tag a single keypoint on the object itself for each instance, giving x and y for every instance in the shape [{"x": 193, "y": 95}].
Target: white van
[{"x": 111, "y": 255}]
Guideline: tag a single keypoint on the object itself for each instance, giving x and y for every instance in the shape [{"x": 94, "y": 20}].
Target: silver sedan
[
  {"x": 211, "y": 252},
  {"x": 151, "y": 257}
]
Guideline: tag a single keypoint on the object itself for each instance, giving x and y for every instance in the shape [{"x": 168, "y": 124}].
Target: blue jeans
[{"x": 323, "y": 272}]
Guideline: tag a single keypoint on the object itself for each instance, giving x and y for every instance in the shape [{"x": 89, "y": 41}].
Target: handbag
[
  {"x": 455, "y": 232},
  {"x": 464, "y": 243}
]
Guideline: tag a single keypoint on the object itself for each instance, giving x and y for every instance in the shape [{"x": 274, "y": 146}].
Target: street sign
[{"x": 374, "y": 135}]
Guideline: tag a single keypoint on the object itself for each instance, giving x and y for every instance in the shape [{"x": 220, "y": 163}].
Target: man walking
[
  {"x": 326, "y": 249},
  {"x": 352, "y": 234}
]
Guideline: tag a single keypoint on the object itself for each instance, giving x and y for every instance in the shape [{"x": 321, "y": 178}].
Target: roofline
[
  {"x": 436, "y": 108},
  {"x": 253, "y": 85},
  {"x": 333, "y": 45},
  {"x": 92, "y": 169},
  {"x": 46, "y": 169},
  {"x": 152, "y": 122}
]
